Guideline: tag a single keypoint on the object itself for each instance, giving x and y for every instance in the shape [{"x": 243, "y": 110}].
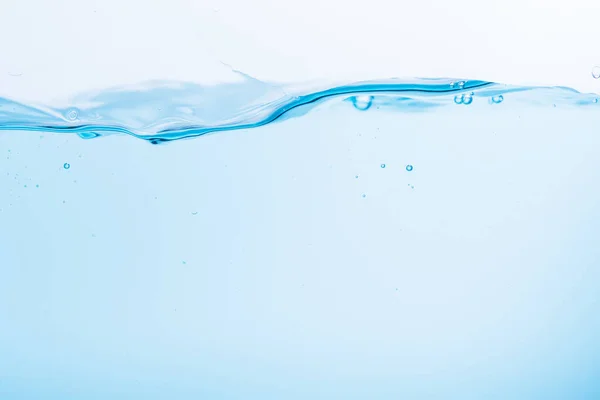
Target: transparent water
[{"x": 277, "y": 258}]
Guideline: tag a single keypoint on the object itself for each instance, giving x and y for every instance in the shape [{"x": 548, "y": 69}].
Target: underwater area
[{"x": 381, "y": 239}]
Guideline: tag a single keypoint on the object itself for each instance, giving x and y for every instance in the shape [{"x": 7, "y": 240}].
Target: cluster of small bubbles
[
  {"x": 382, "y": 165},
  {"x": 465, "y": 98},
  {"x": 72, "y": 114},
  {"x": 362, "y": 103},
  {"x": 409, "y": 167},
  {"x": 457, "y": 85},
  {"x": 596, "y": 72},
  {"x": 497, "y": 99},
  {"x": 66, "y": 165}
]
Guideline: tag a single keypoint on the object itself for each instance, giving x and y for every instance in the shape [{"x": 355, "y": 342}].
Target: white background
[{"x": 50, "y": 49}]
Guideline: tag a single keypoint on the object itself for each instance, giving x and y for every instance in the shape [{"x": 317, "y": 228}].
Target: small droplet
[
  {"x": 596, "y": 72},
  {"x": 497, "y": 99},
  {"x": 24, "y": 186},
  {"x": 72, "y": 114},
  {"x": 37, "y": 186},
  {"x": 195, "y": 213},
  {"x": 382, "y": 165},
  {"x": 362, "y": 103},
  {"x": 409, "y": 167},
  {"x": 364, "y": 195},
  {"x": 66, "y": 165},
  {"x": 183, "y": 262}
]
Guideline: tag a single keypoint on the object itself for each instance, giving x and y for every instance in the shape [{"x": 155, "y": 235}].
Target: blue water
[
  {"x": 165, "y": 111},
  {"x": 425, "y": 239}
]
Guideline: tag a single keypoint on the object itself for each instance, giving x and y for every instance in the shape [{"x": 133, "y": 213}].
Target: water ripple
[{"x": 162, "y": 111}]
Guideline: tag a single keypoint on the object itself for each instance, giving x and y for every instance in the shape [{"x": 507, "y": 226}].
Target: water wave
[{"x": 162, "y": 111}]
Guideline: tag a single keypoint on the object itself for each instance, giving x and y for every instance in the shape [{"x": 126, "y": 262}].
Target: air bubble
[
  {"x": 464, "y": 98},
  {"x": 72, "y": 114},
  {"x": 596, "y": 72},
  {"x": 66, "y": 165},
  {"x": 497, "y": 99},
  {"x": 364, "y": 195},
  {"x": 362, "y": 103},
  {"x": 382, "y": 165},
  {"x": 409, "y": 167},
  {"x": 468, "y": 98}
]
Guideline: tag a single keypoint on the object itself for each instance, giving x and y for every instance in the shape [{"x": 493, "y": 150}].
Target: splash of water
[{"x": 161, "y": 111}]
